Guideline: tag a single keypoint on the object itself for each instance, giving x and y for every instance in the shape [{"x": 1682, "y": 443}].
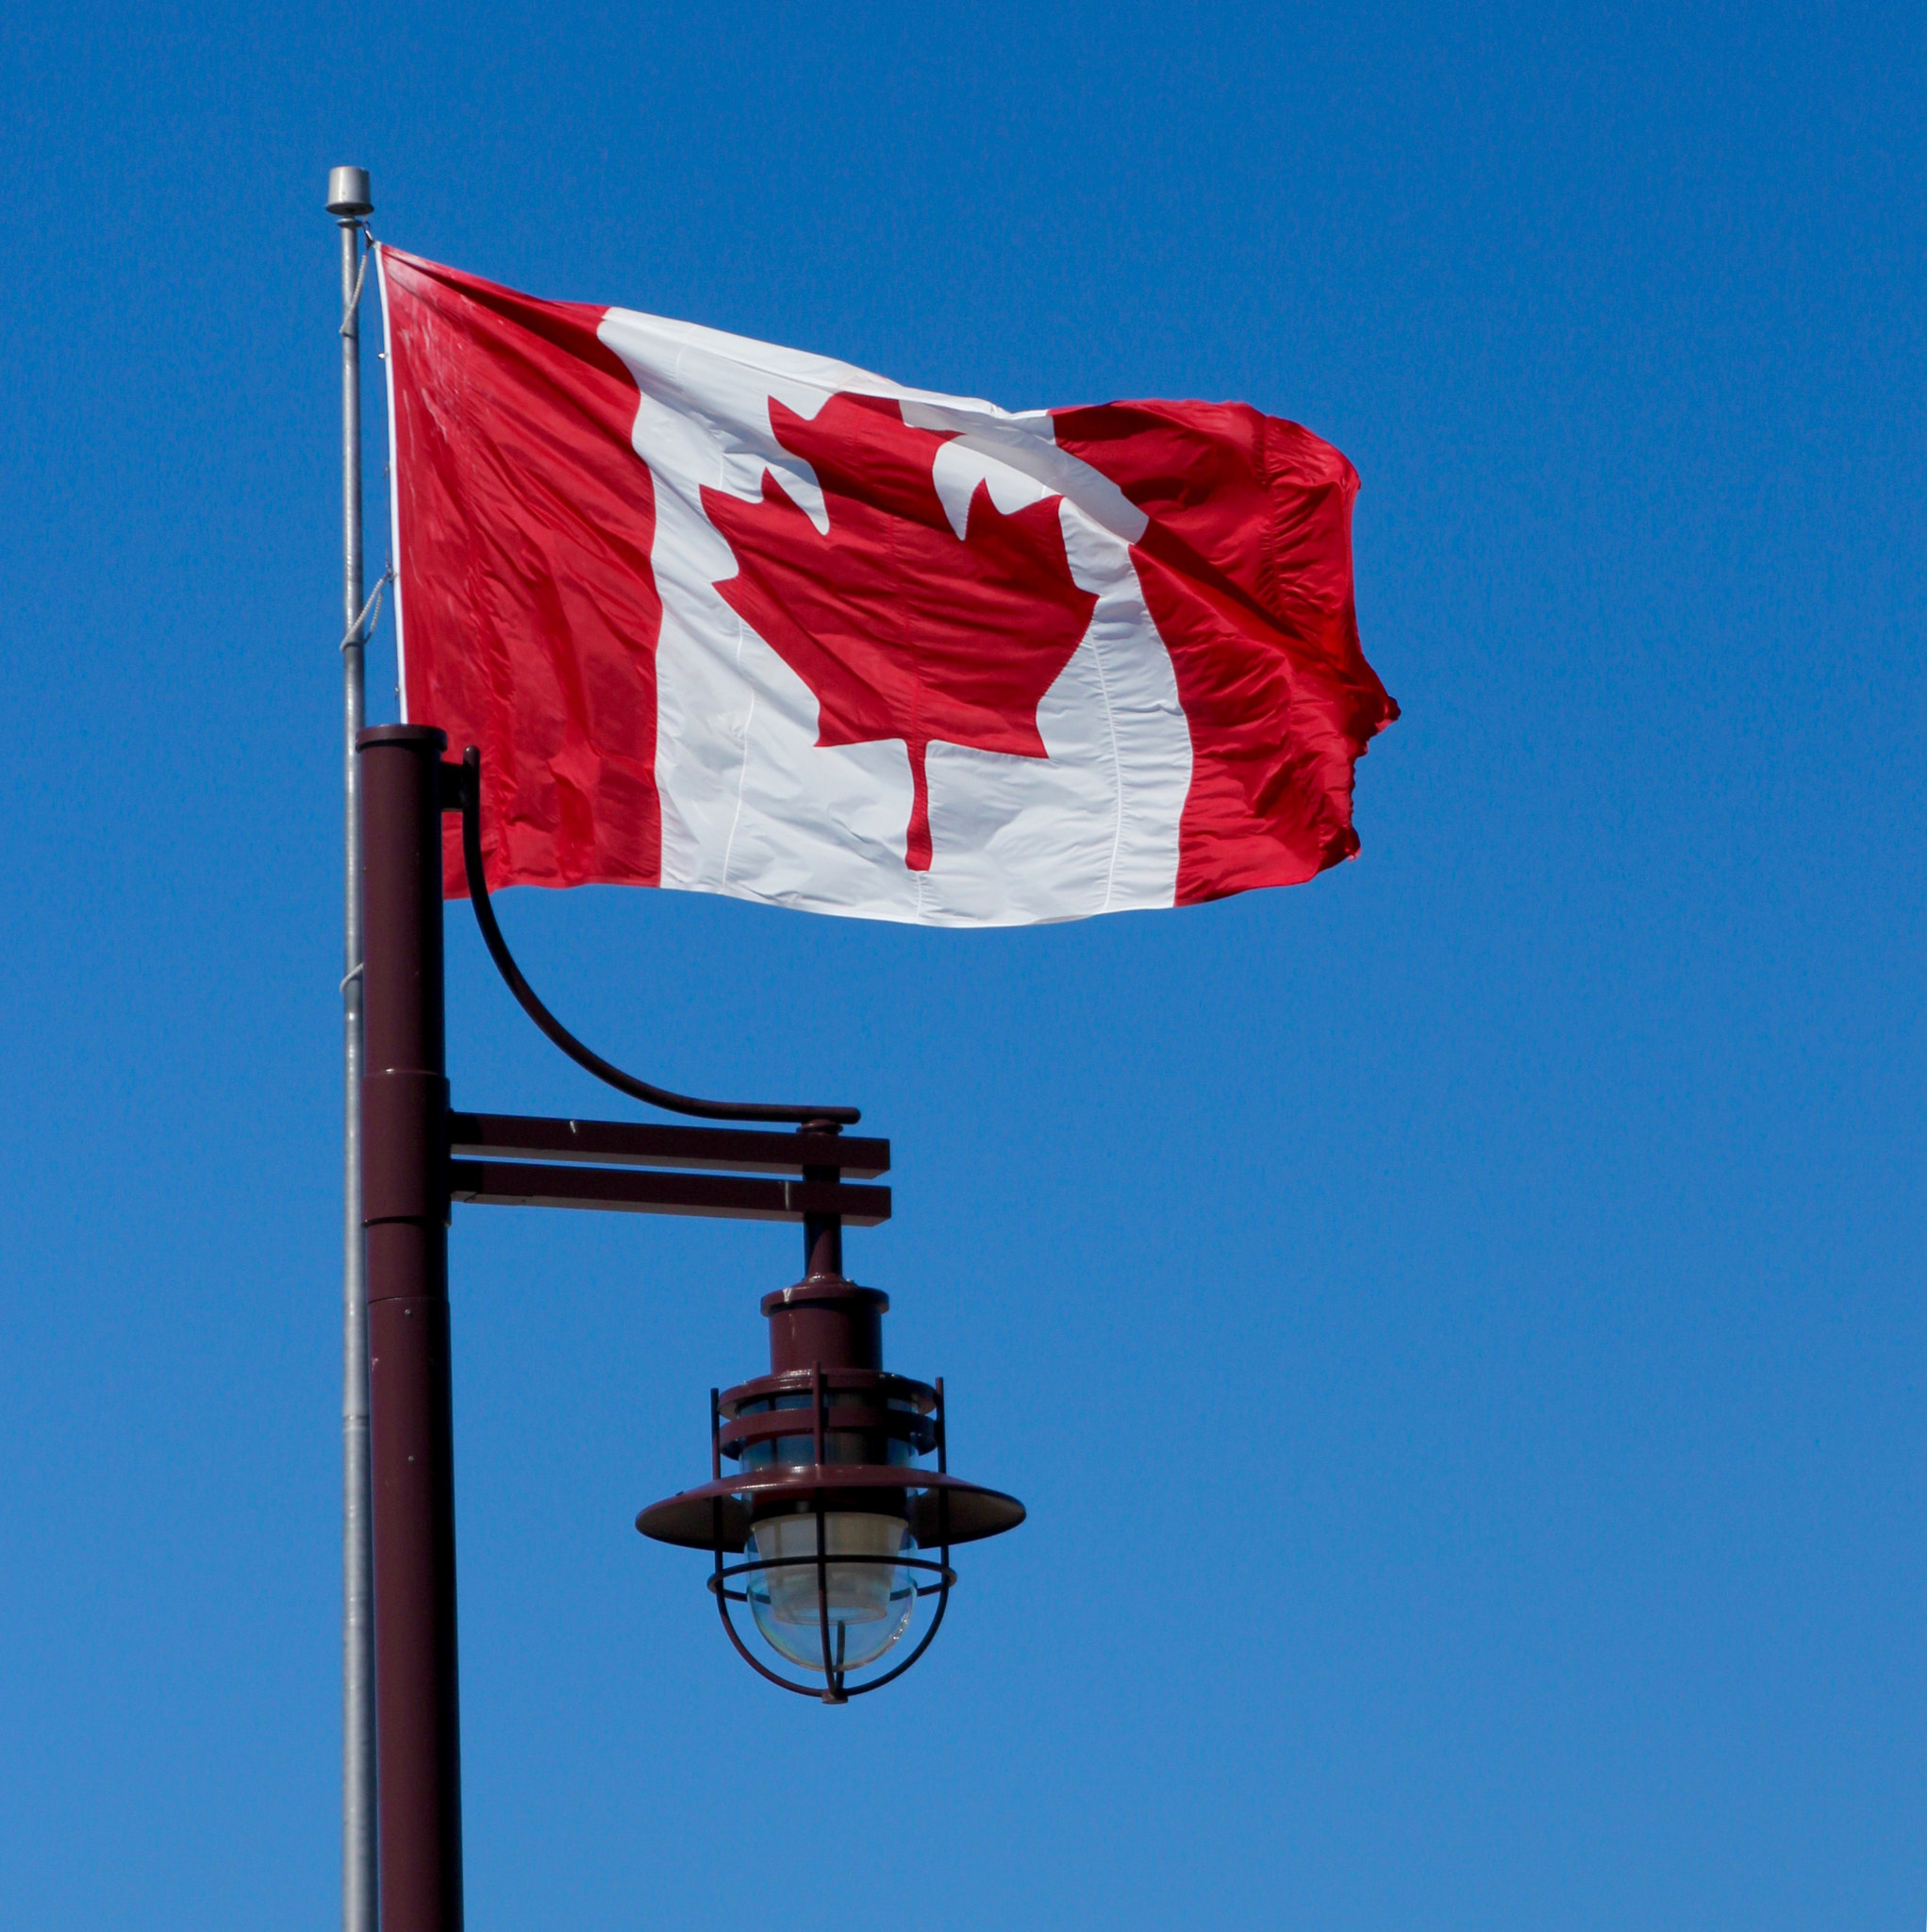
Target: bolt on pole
[{"x": 350, "y": 203}]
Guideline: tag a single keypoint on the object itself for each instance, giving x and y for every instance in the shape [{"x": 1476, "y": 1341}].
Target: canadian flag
[{"x": 736, "y": 619}]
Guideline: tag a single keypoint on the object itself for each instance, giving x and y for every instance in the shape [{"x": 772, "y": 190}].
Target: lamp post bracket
[
  {"x": 724, "y": 1198},
  {"x": 636, "y": 1143}
]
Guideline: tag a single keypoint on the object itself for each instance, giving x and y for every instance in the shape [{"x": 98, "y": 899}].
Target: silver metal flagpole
[{"x": 349, "y": 203}]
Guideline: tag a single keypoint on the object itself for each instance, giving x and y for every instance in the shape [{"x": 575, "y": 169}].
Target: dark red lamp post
[{"x": 824, "y": 1527}]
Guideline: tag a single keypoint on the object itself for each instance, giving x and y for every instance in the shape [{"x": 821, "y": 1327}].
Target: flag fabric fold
[{"x": 733, "y": 618}]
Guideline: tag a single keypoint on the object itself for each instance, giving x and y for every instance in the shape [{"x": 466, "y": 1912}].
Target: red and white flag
[{"x": 736, "y": 619}]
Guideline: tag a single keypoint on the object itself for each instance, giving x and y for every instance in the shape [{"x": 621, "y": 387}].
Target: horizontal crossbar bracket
[
  {"x": 728, "y": 1197},
  {"x": 635, "y": 1143}
]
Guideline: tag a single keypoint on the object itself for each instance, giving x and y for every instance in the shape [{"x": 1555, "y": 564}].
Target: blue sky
[{"x": 1457, "y": 1324}]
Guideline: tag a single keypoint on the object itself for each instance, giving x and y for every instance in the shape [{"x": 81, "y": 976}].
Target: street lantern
[
  {"x": 833, "y": 1530},
  {"x": 832, "y": 1508}
]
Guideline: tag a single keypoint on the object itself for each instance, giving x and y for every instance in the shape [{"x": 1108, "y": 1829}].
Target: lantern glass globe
[{"x": 870, "y": 1597}]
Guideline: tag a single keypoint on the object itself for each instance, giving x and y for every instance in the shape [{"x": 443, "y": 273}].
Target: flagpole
[{"x": 350, "y": 204}]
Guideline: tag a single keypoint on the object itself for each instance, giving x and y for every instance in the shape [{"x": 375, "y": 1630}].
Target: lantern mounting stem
[{"x": 466, "y": 781}]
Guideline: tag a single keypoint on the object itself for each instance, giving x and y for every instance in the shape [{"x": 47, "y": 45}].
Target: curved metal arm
[{"x": 829, "y": 1117}]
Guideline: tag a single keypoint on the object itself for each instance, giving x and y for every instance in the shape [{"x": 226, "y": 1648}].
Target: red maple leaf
[{"x": 901, "y": 628}]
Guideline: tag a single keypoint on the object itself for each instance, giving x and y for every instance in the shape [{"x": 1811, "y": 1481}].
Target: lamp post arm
[{"x": 830, "y": 1118}]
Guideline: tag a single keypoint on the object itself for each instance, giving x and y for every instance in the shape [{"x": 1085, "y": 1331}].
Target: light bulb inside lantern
[{"x": 868, "y": 1602}]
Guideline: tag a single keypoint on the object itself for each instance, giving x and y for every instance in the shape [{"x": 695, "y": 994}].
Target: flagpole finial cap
[{"x": 348, "y": 193}]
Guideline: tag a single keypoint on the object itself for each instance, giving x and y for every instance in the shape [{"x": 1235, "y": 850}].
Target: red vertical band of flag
[
  {"x": 1246, "y": 564},
  {"x": 525, "y": 520}
]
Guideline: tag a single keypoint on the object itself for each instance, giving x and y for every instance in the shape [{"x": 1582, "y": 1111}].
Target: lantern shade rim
[{"x": 941, "y": 1509}]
